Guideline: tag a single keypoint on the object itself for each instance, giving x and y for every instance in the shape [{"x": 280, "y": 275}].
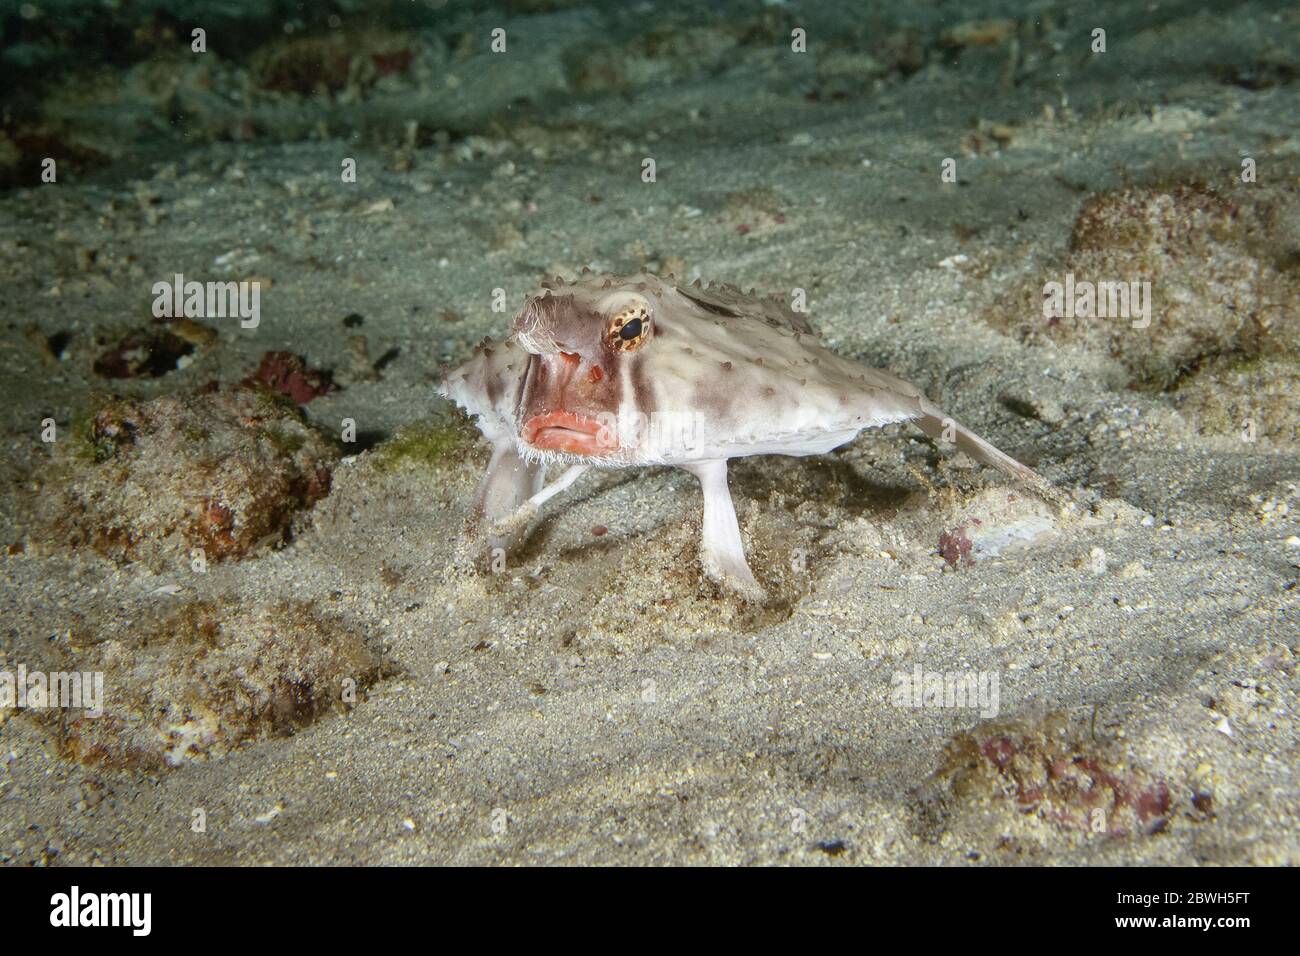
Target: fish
[{"x": 627, "y": 371}]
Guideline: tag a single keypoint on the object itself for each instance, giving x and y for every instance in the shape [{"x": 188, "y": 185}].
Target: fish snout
[{"x": 562, "y": 410}]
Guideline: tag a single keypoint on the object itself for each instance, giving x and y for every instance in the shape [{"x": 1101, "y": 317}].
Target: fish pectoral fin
[
  {"x": 515, "y": 522},
  {"x": 507, "y": 485},
  {"x": 722, "y": 552}
]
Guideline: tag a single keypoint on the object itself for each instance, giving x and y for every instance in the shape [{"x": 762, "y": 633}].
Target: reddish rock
[{"x": 289, "y": 374}]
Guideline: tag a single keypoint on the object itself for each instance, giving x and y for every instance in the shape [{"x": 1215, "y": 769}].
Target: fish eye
[{"x": 630, "y": 327}]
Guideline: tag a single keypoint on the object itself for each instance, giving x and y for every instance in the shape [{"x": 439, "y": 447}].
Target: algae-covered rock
[
  {"x": 314, "y": 64},
  {"x": 661, "y": 55},
  {"x": 226, "y": 471},
  {"x": 211, "y": 677},
  {"x": 1216, "y": 269},
  {"x": 1029, "y": 777},
  {"x": 1247, "y": 398}
]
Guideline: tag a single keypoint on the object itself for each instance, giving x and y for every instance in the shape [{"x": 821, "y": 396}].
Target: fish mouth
[{"x": 569, "y": 432}]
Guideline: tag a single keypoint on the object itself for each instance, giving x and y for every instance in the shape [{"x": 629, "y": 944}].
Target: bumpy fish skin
[
  {"x": 487, "y": 387},
  {"x": 710, "y": 374}
]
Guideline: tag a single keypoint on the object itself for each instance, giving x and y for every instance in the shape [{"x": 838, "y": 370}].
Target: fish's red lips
[{"x": 570, "y": 432}]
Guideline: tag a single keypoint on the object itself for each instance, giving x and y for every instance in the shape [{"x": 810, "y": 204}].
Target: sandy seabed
[{"x": 599, "y": 701}]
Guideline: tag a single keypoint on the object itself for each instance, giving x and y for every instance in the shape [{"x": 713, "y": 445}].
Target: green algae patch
[
  {"x": 432, "y": 444},
  {"x": 87, "y": 445}
]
